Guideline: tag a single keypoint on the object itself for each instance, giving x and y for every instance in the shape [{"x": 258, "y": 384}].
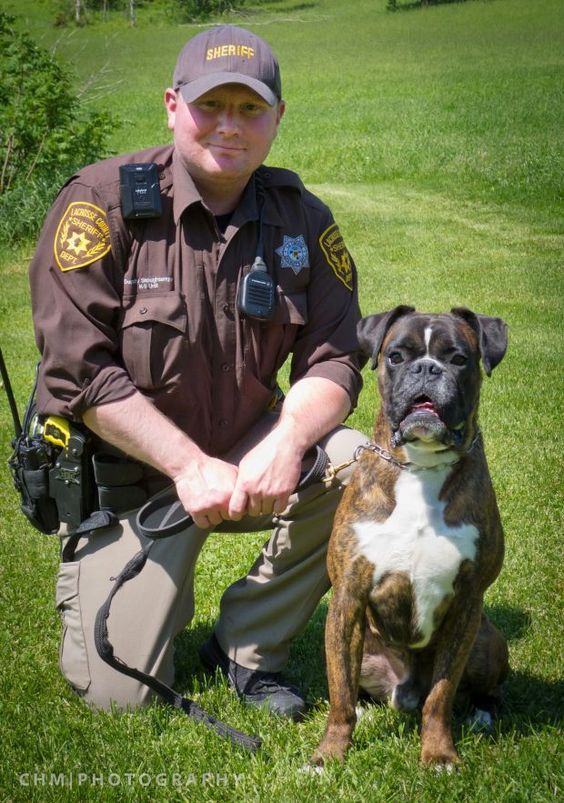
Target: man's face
[{"x": 224, "y": 135}]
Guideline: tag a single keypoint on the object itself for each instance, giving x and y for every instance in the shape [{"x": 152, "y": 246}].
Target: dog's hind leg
[{"x": 486, "y": 670}]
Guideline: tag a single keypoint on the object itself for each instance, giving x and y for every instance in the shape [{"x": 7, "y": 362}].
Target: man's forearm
[
  {"x": 204, "y": 484},
  {"x": 269, "y": 472},
  {"x": 312, "y": 408},
  {"x": 141, "y": 431}
]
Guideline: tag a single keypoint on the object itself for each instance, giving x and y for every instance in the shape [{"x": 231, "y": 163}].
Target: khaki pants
[{"x": 260, "y": 614}]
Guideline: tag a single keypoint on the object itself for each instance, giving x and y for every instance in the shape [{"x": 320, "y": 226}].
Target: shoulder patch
[
  {"x": 82, "y": 236},
  {"x": 336, "y": 254}
]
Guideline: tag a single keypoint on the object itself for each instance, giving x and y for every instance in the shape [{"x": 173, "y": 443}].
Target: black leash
[
  {"x": 163, "y": 517},
  {"x": 173, "y": 698}
]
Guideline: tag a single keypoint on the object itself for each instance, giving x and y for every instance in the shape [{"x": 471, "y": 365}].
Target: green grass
[{"x": 436, "y": 138}]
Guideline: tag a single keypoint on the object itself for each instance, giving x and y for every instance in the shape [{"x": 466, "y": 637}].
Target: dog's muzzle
[{"x": 423, "y": 422}]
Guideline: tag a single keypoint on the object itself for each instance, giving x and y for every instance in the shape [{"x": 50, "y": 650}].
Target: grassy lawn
[{"x": 436, "y": 137}]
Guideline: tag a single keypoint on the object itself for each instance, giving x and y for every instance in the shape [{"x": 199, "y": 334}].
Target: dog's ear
[
  {"x": 492, "y": 336},
  {"x": 370, "y": 331}
]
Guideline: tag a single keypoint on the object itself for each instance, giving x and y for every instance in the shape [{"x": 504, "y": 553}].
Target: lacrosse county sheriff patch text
[
  {"x": 82, "y": 236},
  {"x": 336, "y": 254}
]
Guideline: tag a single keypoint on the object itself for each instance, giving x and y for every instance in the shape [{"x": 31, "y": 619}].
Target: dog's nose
[{"x": 427, "y": 368}]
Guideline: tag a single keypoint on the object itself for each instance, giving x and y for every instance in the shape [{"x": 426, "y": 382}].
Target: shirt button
[
  {"x": 225, "y": 367},
  {"x": 223, "y": 422},
  {"x": 143, "y": 311},
  {"x": 226, "y": 309}
]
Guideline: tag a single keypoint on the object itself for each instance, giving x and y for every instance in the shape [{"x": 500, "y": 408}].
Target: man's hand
[
  {"x": 205, "y": 487},
  {"x": 268, "y": 474},
  {"x": 270, "y": 471}
]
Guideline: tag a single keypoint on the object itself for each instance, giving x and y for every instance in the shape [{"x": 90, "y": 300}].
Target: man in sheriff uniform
[{"x": 143, "y": 341}]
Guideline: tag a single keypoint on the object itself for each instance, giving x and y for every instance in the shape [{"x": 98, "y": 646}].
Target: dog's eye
[
  {"x": 395, "y": 358},
  {"x": 458, "y": 359}
]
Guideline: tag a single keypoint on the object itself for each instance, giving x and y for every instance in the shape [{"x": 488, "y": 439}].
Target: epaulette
[{"x": 281, "y": 177}]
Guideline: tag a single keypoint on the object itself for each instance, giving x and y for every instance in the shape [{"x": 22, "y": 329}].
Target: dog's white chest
[{"x": 416, "y": 541}]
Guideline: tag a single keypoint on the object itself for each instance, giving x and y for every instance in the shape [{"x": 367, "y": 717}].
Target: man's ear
[
  {"x": 492, "y": 336},
  {"x": 170, "y": 100},
  {"x": 370, "y": 331}
]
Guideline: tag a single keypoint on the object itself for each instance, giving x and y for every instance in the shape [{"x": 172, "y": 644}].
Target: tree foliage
[
  {"x": 204, "y": 9},
  {"x": 83, "y": 12},
  {"x": 45, "y": 133}
]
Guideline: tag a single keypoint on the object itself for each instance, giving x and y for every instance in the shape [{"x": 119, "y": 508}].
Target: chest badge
[{"x": 293, "y": 253}]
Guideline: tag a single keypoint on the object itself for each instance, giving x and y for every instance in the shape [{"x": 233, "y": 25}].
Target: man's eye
[
  {"x": 252, "y": 109},
  {"x": 208, "y": 105},
  {"x": 395, "y": 358}
]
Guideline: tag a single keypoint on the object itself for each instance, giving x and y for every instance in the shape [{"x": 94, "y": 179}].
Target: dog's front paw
[
  {"x": 441, "y": 759},
  {"x": 330, "y": 749}
]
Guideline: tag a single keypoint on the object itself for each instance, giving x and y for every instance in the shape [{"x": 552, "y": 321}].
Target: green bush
[{"x": 45, "y": 134}]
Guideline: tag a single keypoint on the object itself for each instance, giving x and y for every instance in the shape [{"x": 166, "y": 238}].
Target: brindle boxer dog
[{"x": 417, "y": 537}]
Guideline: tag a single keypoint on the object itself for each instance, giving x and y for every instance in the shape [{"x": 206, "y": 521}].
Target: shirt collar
[{"x": 186, "y": 194}]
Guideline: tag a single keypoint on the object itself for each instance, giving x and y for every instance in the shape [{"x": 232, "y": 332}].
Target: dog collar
[{"x": 410, "y": 466}]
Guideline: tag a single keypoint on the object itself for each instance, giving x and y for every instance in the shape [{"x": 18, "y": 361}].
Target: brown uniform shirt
[{"x": 151, "y": 304}]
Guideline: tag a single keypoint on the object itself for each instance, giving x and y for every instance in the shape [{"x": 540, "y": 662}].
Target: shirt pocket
[{"x": 153, "y": 338}]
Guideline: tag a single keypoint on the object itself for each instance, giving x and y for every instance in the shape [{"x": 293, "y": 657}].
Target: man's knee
[
  {"x": 107, "y": 688},
  {"x": 340, "y": 445},
  {"x": 121, "y": 696}
]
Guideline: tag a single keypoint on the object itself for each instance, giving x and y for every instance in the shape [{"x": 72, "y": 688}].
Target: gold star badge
[{"x": 82, "y": 236}]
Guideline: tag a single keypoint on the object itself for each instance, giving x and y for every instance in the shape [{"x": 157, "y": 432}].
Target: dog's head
[{"x": 429, "y": 369}]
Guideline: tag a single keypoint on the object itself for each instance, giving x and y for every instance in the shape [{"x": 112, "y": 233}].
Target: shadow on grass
[
  {"x": 530, "y": 701},
  {"x": 411, "y": 5},
  {"x": 190, "y": 674},
  {"x": 513, "y": 622}
]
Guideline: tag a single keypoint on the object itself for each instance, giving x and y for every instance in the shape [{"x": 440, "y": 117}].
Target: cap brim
[{"x": 195, "y": 89}]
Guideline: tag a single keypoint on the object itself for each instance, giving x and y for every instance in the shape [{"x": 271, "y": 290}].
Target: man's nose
[{"x": 228, "y": 120}]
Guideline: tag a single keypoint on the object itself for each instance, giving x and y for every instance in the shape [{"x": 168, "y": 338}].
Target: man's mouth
[{"x": 223, "y": 147}]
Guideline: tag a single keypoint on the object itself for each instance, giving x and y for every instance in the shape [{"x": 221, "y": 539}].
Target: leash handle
[{"x": 163, "y": 515}]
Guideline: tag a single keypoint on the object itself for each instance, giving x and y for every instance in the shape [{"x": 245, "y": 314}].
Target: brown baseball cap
[{"x": 227, "y": 54}]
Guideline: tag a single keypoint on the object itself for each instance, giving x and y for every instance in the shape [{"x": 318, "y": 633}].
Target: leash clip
[{"x": 331, "y": 471}]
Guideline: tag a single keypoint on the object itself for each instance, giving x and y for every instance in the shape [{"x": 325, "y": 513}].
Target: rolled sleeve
[
  {"x": 110, "y": 384},
  {"x": 77, "y": 308}
]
